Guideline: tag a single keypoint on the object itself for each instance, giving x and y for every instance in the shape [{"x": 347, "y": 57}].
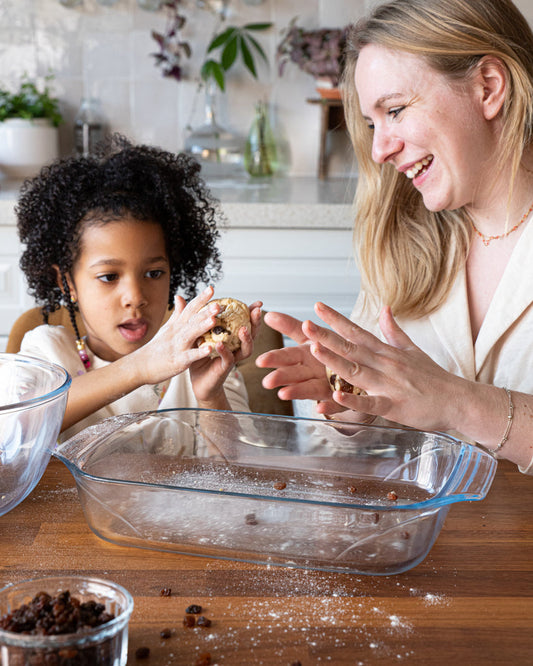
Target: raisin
[
  {"x": 203, "y": 660},
  {"x": 189, "y": 621},
  {"x": 392, "y": 496},
  {"x": 165, "y": 633},
  {"x": 280, "y": 485},
  {"x": 352, "y": 489},
  {"x": 203, "y": 621},
  {"x": 218, "y": 330},
  {"x": 165, "y": 592},
  {"x": 142, "y": 652},
  {"x": 194, "y": 609}
]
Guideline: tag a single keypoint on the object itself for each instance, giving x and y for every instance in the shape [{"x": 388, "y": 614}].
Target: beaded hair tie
[
  {"x": 83, "y": 353},
  {"x": 71, "y": 304}
]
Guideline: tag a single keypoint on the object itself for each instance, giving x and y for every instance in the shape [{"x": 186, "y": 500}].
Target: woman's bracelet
[{"x": 510, "y": 416}]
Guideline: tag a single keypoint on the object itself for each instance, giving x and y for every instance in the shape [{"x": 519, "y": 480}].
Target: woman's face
[
  {"x": 121, "y": 282},
  {"x": 429, "y": 128}
]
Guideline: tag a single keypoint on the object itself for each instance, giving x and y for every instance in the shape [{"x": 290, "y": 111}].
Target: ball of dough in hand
[
  {"x": 337, "y": 383},
  {"x": 232, "y": 317}
]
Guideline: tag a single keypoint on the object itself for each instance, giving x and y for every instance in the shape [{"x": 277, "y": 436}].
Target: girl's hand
[
  {"x": 298, "y": 372},
  {"x": 209, "y": 374},
  {"x": 173, "y": 349},
  {"x": 402, "y": 382}
]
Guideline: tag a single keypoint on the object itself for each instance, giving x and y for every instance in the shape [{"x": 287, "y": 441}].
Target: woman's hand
[
  {"x": 298, "y": 372},
  {"x": 402, "y": 382},
  {"x": 209, "y": 374}
]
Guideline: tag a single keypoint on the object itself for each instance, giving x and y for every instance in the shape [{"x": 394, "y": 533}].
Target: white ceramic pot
[{"x": 26, "y": 146}]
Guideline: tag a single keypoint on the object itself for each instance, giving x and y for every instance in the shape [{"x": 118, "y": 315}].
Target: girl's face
[
  {"x": 428, "y": 128},
  {"x": 121, "y": 282}
]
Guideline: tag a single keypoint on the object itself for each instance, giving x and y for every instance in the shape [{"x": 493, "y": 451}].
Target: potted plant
[
  {"x": 219, "y": 150},
  {"x": 319, "y": 53},
  {"x": 29, "y": 118}
]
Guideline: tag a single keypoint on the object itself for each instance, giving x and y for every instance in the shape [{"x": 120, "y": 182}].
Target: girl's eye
[
  {"x": 155, "y": 273},
  {"x": 396, "y": 111},
  {"x": 108, "y": 277}
]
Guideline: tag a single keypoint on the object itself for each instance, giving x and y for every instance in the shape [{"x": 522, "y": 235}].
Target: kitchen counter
[
  {"x": 264, "y": 203},
  {"x": 469, "y": 602}
]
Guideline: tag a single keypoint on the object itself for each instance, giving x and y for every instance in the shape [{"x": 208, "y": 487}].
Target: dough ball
[
  {"x": 337, "y": 383},
  {"x": 232, "y": 317}
]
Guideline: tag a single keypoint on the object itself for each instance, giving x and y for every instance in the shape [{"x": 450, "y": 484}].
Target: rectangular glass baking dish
[{"x": 273, "y": 489}]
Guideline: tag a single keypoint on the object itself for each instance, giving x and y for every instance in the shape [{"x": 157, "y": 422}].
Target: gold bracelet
[{"x": 510, "y": 416}]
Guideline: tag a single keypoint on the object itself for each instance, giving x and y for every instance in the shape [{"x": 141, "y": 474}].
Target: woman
[{"x": 439, "y": 103}]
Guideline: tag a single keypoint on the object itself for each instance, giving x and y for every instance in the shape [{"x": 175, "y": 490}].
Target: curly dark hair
[{"x": 143, "y": 181}]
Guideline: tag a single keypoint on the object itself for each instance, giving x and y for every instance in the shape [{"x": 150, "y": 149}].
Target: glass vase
[{"x": 217, "y": 149}]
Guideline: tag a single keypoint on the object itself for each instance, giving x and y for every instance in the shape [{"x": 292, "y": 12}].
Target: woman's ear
[
  {"x": 493, "y": 81},
  {"x": 59, "y": 279}
]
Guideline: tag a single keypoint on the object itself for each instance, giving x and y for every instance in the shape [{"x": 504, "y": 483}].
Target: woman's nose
[{"x": 385, "y": 146}]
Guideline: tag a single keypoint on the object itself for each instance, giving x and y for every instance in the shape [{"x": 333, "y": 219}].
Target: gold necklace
[{"x": 487, "y": 239}]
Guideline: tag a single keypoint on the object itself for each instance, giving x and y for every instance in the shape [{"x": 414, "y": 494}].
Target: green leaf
[
  {"x": 247, "y": 58},
  {"x": 257, "y": 46},
  {"x": 212, "y": 69},
  {"x": 229, "y": 53},
  {"x": 225, "y": 36},
  {"x": 257, "y": 26}
]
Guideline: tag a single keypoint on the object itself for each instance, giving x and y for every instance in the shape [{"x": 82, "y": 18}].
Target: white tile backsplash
[{"x": 102, "y": 51}]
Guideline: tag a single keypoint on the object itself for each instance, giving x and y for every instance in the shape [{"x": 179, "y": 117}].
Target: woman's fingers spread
[
  {"x": 347, "y": 329},
  {"x": 286, "y": 325},
  {"x": 276, "y": 358}
]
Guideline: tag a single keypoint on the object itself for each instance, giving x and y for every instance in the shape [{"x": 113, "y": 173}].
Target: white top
[{"x": 58, "y": 345}]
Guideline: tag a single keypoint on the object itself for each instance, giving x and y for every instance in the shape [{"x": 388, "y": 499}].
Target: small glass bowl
[{"x": 106, "y": 645}]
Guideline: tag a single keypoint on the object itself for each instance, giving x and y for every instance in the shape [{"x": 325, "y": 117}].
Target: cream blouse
[{"x": 502, "y": 354}]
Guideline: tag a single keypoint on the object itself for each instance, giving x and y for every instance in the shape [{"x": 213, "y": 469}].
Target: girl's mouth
[
  {"x": 133, "y": 330},
  {"x": 419, "y": 168}
]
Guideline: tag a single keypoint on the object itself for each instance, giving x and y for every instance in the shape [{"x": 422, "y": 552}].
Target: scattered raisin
[
  {"x": 203, "y": 660},
  {"x": 165, "y": 633},
  {"x": 189, "y": 621},
  {"x": 391, "y": 495},
  {"x": 280, "y": 485},
  {"x": 352, "y": 489},
  {"x": 250, "y": 519},
  {"x": 142, "y": 652},
  {"x": 195, "y": 609},
  {"x": 165, "y": 592},
  {"x": 374, "y": 518},
  {"x": 296, "y": 663},
  {"x": 203, "y": 621}
]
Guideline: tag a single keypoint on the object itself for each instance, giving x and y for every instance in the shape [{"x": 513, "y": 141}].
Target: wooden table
[{"x": 470, "y": 602}]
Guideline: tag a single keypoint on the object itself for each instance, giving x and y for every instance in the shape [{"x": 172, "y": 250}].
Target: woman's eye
[
  {"x": 396, "y": 111},
  {"x": 154, "y": 274},
  {"x": 108, "y": 277}
]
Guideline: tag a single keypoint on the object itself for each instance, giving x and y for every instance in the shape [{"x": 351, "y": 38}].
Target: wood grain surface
[{"x": 469, "y": 602}]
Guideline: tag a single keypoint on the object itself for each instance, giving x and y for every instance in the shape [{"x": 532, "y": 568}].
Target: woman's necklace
[{"x": 487, "y": 239}]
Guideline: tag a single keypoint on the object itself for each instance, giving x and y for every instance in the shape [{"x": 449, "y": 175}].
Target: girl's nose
[
  {"x": 133, "y": 295},
  {"x": 385, "y": 146}
]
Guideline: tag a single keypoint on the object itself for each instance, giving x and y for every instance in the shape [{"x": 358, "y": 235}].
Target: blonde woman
[{"x": 439, "y": 103}]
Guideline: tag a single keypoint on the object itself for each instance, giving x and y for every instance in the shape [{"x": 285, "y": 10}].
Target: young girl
[{"x": 114, "y": 237}]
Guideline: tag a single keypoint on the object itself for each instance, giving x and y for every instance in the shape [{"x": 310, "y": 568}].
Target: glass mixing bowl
[
  {"x": 105, "y": 645},
  {"x": 33, "y": 396}
]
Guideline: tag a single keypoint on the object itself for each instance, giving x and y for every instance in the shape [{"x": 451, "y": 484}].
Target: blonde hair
[{"x": 409, "y": 256}]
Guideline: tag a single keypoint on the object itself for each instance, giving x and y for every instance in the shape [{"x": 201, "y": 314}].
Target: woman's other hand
[{"x": 403, "y": 384}]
